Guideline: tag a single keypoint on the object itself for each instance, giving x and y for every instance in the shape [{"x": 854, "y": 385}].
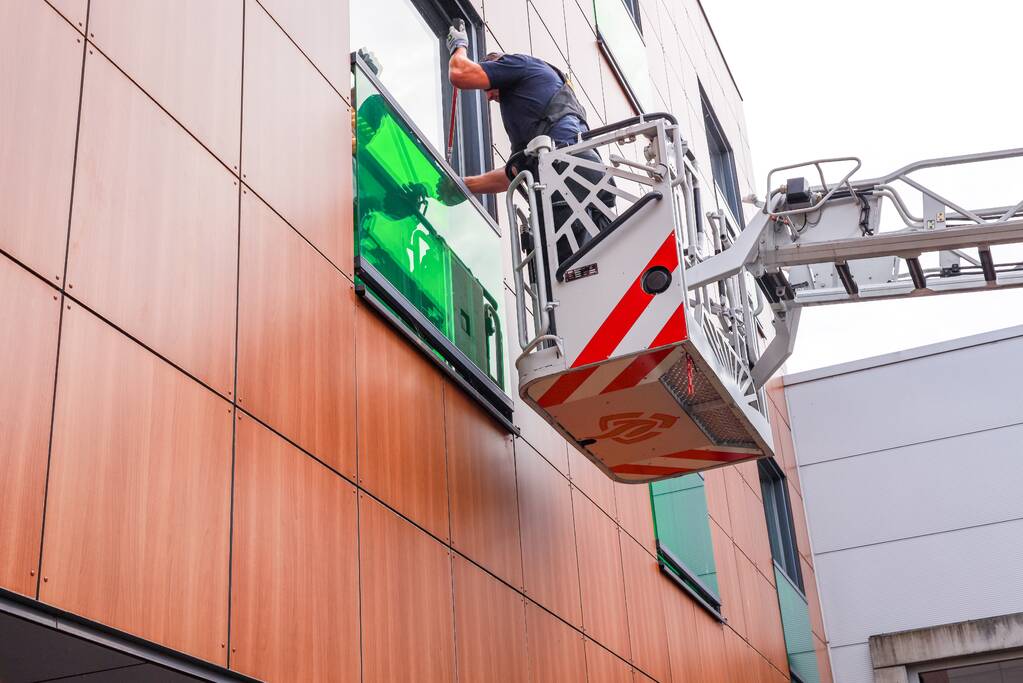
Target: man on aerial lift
[{"x": 536, "y": 99}]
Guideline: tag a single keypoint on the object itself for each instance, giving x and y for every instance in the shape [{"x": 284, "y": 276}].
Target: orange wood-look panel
[
  {"x": 763, "y": 618},
  {"x": 784, "y": 448},
  {"x": 490, "y": 627},
  {"x": 30, "y": 312},
  {"x": 198, "y": 79},
  {"x": 550, "y": 568},
  {"x": 715, "y": 487},
  {"x": 481, "y": 480},
  {"x": 401, "y": 424},
  {"x": 812, "y": 598},
  {"x": 296, "y": 338},
  {"x": 320, "y": 29},
  {"x": 635, "y": 514},
  {"x": 73, "y": 10},
  {"x": 799, "y": 522},
  {"x": 776, "y": 394},
  {"x": 823, "y": 660},
  {"x": 605, "y": 617},
  {"x": 295, "y": 590},
  {"x": 749, "y": 525},
  {"x": 40, "y": 77},
  {"x": 646, "y": 618},
  {"x": 739, "y": 660},
  {"x": 603, "y": 667},
  {"x": 592, "y": 481},
  {"x": 556, "y": 650},
  {"x": 407, "y": 623},
  {"x": 694, "y": 638},
  {"x": 138, "y": 508},
  {"x": 154, "y": 231},
  {"x": 297, "y": 141},
  {"x": 728, "y": 579}
]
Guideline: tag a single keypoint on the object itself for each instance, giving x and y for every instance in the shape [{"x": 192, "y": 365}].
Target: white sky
[{"x": 890, "y": 81}]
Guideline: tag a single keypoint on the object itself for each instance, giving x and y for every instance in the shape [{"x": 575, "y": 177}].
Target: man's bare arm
[
  {"x": 491, "y": 182},
  {"x": 466, "y": 74}
]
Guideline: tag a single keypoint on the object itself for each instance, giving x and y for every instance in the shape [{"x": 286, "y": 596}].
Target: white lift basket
[{"x": 645, "y": 380}]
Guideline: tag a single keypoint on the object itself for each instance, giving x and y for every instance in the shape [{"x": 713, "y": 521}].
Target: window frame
[
  {"x": 633, "y": 7},
  {"x": 781, "y": 529},
  {"x": 680, "y": 574},
  {"x": 722, "y": 157}
]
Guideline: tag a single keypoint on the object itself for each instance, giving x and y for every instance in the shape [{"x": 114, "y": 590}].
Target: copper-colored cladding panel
[
  {"x": 295, "y": 594},
  {"x": 750, "y": 535},
  {"x": 584, "y": 55},
  {"x": 139, "y": 498},
  {"x": 823, "y": 660},
  {"x": 490, "y": 627},
  {"x": 591, "y": 481},
  {"x": 729, "y": 588},
  {"x": 187, "y": 54},
  {"x": 30, "y": 312},
  {"x": 635, "y": 513},
  {"x": 812, "y": 597},
  {"x": 551, "y": 571},
  {"x": 605, "y": 616},
  {"x": 646, "y": 620},
  {"x": 401, "y": 425},
  {"x": 40, "y": 78},
  {"x": 556, "y": 653},
  {"x": 481, "y": 481},
  {"x": 763, "y": 619},
  {"x": 694, "y": 637},
  {"x": 296, "y": 338},
  {"x": 73, "y": 10},
  {"x": 604, "y": 667},
  {"x": 320, "y": 29},
  {"x": 154, "y": 230},
  {"x": 715, "y": 487},
  {"x": 407, "y": 623},
  {"x": 297, "y": 141}
]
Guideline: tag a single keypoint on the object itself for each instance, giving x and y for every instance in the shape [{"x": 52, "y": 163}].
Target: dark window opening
[
  {"x": 780, "y": 528},
  {"x": 633, "y": 7},
  {"x": 722, "y": 161}
]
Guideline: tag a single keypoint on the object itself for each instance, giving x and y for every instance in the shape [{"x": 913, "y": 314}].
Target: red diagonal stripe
[
  {"x": 719, "y": 456},
  {"x": 652, "y": 470},
  {"x": 564, "y": 387},
  {"x": 639, "y": 368},
  {"x": 674, "y": 330},
  {"x": 628, "y": 309}
]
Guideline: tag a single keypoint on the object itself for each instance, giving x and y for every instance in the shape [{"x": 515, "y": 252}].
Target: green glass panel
[
  {"x": 416, "y": 227},
  {"x": 626, "y": 45},
  {"x": 683, "y": 526},
  {"x": 795, "y": 620}
]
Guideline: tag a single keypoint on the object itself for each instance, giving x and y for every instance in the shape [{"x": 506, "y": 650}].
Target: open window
[
  {"x": 685, "y": 550},
  {"x": 403, "y": 42}
]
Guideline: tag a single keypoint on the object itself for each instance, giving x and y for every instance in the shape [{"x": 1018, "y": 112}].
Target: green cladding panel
[
  {"x": 683, "y": 527},
  {"x": 795, "y": 619},
  {"x": 415, "y": 226},
  {"x": 622, "y": 39}
]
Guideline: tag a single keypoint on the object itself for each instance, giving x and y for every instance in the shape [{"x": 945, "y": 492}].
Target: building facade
[
  {"x": 911, "y": 475},
  {"x": 222, "y": 455}
]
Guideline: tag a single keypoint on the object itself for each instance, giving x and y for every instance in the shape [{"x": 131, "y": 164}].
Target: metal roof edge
[{"x": 903, "y": 355}]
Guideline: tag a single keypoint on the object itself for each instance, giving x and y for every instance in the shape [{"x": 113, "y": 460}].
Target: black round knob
[{"x": 656, "y": 280}]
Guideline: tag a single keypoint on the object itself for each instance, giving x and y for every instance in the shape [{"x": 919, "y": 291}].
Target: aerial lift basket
[{"x": 646, "y": 379}]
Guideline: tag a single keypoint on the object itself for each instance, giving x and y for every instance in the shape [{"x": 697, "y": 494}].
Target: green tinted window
[
  {"x": 623, "y": 41},
  {"x": 683, "y": 527},
  {"x": 795, "y": 619},
  {"x": 415, "y": 227}
]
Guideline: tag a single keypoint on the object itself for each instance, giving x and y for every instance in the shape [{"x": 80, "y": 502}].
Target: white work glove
[{"x": 457, "y": 37}]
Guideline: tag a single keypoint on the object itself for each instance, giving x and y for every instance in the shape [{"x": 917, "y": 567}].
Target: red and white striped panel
[
  {"x": 682, "y": 462},
  {"x": 640, "y": 320}
]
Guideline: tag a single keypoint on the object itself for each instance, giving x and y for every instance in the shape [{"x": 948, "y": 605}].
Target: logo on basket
[{"x": 628, "y": 428}]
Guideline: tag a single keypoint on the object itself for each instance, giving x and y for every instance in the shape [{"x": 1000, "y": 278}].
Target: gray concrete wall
[{"x": 912, "y": 468}]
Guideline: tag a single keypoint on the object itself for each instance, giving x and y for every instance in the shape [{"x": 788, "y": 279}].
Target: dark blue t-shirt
[{"x": 527, "y": 85}]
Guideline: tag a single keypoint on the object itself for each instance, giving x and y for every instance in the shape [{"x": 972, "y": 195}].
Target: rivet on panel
[
  {"x": 46, "y": 579},
  {"x": 54, "y": 297},
  {"x": 70, "y": 286},
  {"x": 90, "y": 52},
  {"x": 234, "y": 649},
  {"x": 31, "y": 572},
  {"x": 222, "y": 645}
]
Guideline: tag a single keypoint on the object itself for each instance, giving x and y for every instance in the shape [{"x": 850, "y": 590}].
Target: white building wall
[{"x": 912, "y": 473}]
